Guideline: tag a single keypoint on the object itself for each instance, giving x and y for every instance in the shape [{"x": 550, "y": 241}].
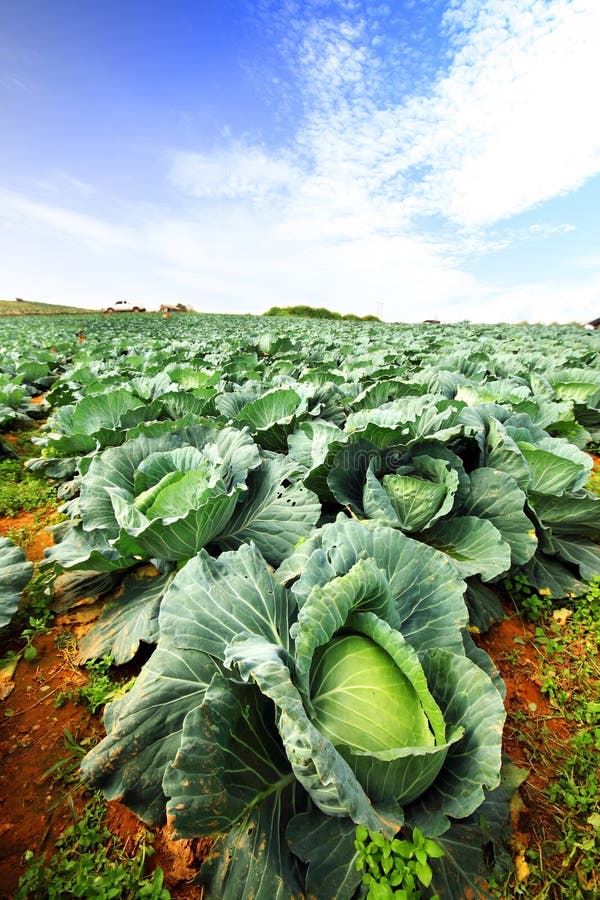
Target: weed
[
  {"x": 535, "y": 605},
  {"x": 395, "y": 868},
  {"x": 32, "y": 619},
  {"x": 22, "y": 491},
  {"x": 593, "y": 484},
  {"x": 20, "y": 439},
  {"x": 66, "y": 770},
  {"x": 90, "y": 862},
  {"x": 100, "y": 688},
  {"x": 35, "y": 628}
]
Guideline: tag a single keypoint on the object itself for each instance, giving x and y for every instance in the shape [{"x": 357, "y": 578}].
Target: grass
[
  {"x": 21, "y": 435},
  {"x": 33, "y": 307}
]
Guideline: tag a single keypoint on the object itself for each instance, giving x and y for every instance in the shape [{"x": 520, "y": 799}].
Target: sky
[{"x": 416, "y": 159}]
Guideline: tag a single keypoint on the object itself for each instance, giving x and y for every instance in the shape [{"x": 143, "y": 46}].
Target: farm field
[{"x": 337, "y": 586}]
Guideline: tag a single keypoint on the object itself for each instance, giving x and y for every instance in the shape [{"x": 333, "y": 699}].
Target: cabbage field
[{"x": 296, "y": 537}]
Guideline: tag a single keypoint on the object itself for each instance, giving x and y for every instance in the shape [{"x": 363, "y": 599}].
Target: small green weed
[
  {"x": 396, "y": 868},
  {"x": 32, "y": 619},
  {"x": 535, "y": 605},
  {"x": 89, "y": 861},
  {"x": 66, "y": 770},
  {"x": 100, "y": 688},
  {"x": 35, "y": 628},
  {"x": 593, "y": 484}
]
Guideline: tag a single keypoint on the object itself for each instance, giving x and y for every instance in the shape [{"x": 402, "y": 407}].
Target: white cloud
[
  {"x": 510, "y": 124},
  {"x": 513, "y": 122},
  {"x": 239, "y": 172}
]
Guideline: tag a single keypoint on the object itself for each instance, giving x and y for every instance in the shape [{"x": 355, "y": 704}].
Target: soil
[
  {"x": 38, "y": 539},
  {"x": 533, "y": 820}
]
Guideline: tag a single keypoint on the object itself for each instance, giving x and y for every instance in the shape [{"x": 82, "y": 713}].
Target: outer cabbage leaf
[
  {"x": 314, "y": 445},
  {"x": 550, "y": 575},
  {"x": 569, "y": 515},
  {"x": 212, "y": 601},
  {"x": 426, "y": 590},
  {"x": 253, "y": 861},
  {"x": 502, "y": 452},
  {"x": 327, "y": 845},
  {"x": 86, "y": 550},
  {"x": 276, "y": 515},
  {"x": 555, "y": 466},
  {"x": 126, "y": 620},
  {"x": 496, "y": 497},
  {"x": 582, "y": 552},
  {"x": 406, "y": 421},
  {"x": 15, "y": 572},
  {"x": 271, "y": 418},
  {"x": 473, "y": 762},
  {"x": 475, "y": 546},
  {"x": 144, "y": 730}
]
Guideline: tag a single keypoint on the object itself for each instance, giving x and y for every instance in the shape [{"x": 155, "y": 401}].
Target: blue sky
[{"x": 438, "y": 157}]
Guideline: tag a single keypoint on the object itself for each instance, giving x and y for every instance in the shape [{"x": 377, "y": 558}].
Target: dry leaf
[
  {"x": 561, "y": 616},
  {"x": 7, "y": 670},
  {"x": 521, "y": 867}
]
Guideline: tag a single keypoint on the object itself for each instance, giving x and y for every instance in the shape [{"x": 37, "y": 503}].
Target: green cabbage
[{"x": 363, "y": 700}]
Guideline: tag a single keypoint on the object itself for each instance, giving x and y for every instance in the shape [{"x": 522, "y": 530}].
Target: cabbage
[
  {"x": 281, "y": 718},
  {"x": 363, "y": 700}
]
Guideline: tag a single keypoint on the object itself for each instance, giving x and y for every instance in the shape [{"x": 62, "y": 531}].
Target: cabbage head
[
  {"x": 161, "y": 497},
  {"x": 478, "y": 518},
  {"x": 280, "y": 718}
]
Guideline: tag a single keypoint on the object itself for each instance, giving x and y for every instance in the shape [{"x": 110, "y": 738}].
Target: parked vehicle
[{"x": 123, "y": 306}]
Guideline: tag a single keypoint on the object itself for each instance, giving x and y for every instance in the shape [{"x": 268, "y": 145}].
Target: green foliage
[
  {"x": 593, "y": 484},
  {"x": 568, "y": 669},
  {"x": 317, "y": 312},
  {"x": 100, "y": 687},
  {"x": 91, "y": 863},
  {"x": 65, "y": 771},
  {"x": 33, "y": 630},
  {"x": 534, "y": 604},
  {"x": 22, "y": 491},
  {"x": 395, "y": 868},
  {"x": 442, "y": 433}
]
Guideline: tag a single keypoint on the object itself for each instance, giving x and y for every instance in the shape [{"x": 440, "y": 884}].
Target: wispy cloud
[
  {"x": 98, "y": 234},
  {"x": 238, "y": 172},
  {"x": 59, "y": 182}
]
